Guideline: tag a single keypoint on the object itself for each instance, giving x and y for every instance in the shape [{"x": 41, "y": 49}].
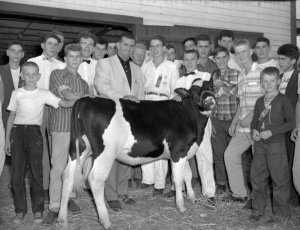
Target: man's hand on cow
[
  {"x": 177, "y": 98},
  {"x": 246, "y": 121},
  {"x": 131, "y": 98},
  {"x": 294, "y": 134},
  {"x": 256, "y": 135},
  {"x": 231, "y": 129}
]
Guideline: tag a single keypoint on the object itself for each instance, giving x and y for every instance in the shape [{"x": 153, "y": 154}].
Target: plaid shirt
[
  {"x": 60, "y": 119},
  {"x": 227, "y": 105},
  {"x": 249, "y": 90}
]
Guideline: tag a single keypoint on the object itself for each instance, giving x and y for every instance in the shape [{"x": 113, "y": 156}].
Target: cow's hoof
[
  {"x": 62, "y": 224},
  {"x": 106, "y": 225},
  {"x": 182, "y": 210}
]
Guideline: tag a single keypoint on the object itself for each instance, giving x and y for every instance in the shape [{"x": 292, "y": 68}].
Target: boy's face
[
  {"x": 285, "y": 63},
  {"x": 227, "y": 42},
  {"x": 15, "y": 53},
  {"x": 87, "y": 45},
  {"x": 111, "y": 49},
  {"x": 221, "y": 60},
  {"x": 244, "y": 53},
  {"x": 99, "y": 51},
  {"x": 170, "y": 54},
  {"x": 190, "y": 62},
  {"x": 50, "y": 47},
  {"x": 189, "y": 45},
  {"x": 138, "y": 56},
  {"x": 73, "y": 59},
  {"x": 156, "y": 48},
  {"x": 203, "y": 48},
  {"x": 262, "y": 50},
  {"x": 31, "y": 76},
  {"x": 270, "y": 83}
]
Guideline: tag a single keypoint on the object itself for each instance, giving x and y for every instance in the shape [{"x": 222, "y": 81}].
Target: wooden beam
[{"x": 293, "y": 22}]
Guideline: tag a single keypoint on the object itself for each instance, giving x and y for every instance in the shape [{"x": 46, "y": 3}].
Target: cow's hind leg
[
  {"x": 178, "y": 175},
  {"x": 188, "y": 182}
]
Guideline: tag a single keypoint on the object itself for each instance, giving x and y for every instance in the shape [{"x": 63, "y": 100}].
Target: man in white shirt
[
  {"x": 160, "y": 76},
  {"x": 262, "y": 49},
  {"x": 87, "y": 68},
  {"x": 47, "y": 63}
]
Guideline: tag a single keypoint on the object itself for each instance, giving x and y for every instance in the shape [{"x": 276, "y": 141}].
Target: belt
[
  {"x": 27, "y": 126},
  {"x": 157, "y": 94}
]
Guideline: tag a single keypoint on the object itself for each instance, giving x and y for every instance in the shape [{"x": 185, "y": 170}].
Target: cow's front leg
[
  {"x": 178, "y": 175},
  {"x": 188, "y": 182}
]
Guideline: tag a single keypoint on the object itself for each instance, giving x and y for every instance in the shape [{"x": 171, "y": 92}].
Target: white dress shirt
[{"x": 15, "y": 73}]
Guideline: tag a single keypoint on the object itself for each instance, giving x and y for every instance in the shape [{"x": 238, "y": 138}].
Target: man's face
[
  {"x": 31, "y": 75},
  {"x": 125, "y": 48},
  {"x": 61, "y": 44},
  {"x": 111, "y": 49},
  {"x": 190, "y": 62},
  {"x": 285, "y": 63},
  {"x": 99, "y": 51},
  {"x": 262, "y": 50},
  {"x": 227, "y": 42},
  {"x": 156, "y": 48},
  {"x": 170, "y": 54},
  {"x": 244, "y": 53},
  {"x": 203, "y": 48},
  {"x": 50, "y": 47},
  {"x": 87, "y": 45},
  {"x": 221, "y": 60},
  {"x": 15, "y": 53},
  {"x": 189, "y": 45},
  {"x": 138, "y": 56},
  {"x": 73, "y": 59}
]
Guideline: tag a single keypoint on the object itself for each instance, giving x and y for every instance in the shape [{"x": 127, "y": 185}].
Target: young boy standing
[
  {"x": 273, "y": 117},
  {"x": 24, "y": 140}
]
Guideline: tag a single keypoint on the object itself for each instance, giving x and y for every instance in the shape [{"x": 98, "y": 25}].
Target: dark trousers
[
  {"x": 219, "y": 145},
  {"x": 27, "y": 148},
  {"x": 270, "y": 159}
]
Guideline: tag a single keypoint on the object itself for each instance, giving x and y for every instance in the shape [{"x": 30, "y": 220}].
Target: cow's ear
[
  {"x": 182, "y": 92},
  {"x": 216, "y": 74}
]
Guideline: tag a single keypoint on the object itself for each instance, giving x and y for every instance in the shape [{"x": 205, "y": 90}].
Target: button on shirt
[
  {"x": 249, "y": 90},
  {"x": 87, "y": 73},
  {"x": 45, "y": 68},
  {"x": 127, "y": 70},
  {"x": 168, "y": 73}
]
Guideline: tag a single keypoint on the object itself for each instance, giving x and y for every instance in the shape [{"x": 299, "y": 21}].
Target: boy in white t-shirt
[{"x": 24, "y": 142}]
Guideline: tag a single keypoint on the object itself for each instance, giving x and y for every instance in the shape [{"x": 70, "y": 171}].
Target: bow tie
[
  {"x": 48, "y": 59},
  {"x": 187, "y": 74},
  {"x": 87, "y": 61}
]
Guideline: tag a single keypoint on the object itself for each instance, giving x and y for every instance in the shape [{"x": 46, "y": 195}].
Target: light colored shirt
[
  {"x": 233, "y": 63},
  {"x": 161, "y": 79},
  {"x": 15, "y": 77},
  {"x": 284, "y": 81},
  {"x": 87, "y": 73},
  {"x": 45, "y": 69},
  {"x": 29, "y": 105},
  {"x": 187, "y": 81},
  {"x": 271, "y": 63},
  {"x": 249, "y": 90}
]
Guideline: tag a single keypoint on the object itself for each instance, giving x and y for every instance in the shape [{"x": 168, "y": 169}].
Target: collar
[
  {"x": 71, "y": 73},
  {"x": 122, "y": 61},
  {"x": 288, "y": 74}
]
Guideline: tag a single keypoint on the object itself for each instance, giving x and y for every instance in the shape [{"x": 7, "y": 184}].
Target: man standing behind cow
[
  {"x": 117, "y": 78},
  {"x": 160, "y": 77},
  {"x": 67, "y": 84}
]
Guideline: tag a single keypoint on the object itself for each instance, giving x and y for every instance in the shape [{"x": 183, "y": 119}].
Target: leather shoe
[
  {"x": 126, "y": 199},
  {"x": 144, "y": 186},
  {"x": 236, "y": 199},
  {"x": 114, "y": 205},
  {"x": 248, "y": 205},
  {"x": 73, "y": 207},
  {"x": 157, "y": 192},
  {"x": 50, "y": 218},
  {"x": 254, "y": 217},
  {"x": 170, "y": 194}
]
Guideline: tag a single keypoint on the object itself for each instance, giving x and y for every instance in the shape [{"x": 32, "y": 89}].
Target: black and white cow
[{"x": 134, "y": 133}]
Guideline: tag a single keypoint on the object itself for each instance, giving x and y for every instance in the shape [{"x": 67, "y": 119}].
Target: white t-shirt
[
  {"x": 271, "y": 63},
  {"x": 15, "y": 76},
  {"x": 284, "y": 81},
  {"x": 29, "y": 105}
]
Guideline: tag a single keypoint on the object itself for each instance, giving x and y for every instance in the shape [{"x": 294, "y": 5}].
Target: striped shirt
[
  {"x": 227, "y": 103},
  {"x": 249, "y": 90},
  {"x": 60, "y": 80}
]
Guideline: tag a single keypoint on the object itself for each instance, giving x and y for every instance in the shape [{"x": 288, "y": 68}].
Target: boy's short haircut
[
  {"x": 191, "y": 52},
  {"x": 220, "y": 49},
  {"x": 102, "y": 41},
  {"x": 72, "y": 47},
  {"x": 242, "y": 42},
  {"x": 46, "y": 36},
  {"x": 170, "y": 46},
  {"x": 262, "y": 39},
  {"x": 86, "y": 35},
  {"x": 273, "y": 71},
  {"x": 226, "y": 33},
  {"x": 57, "y": 32},
  {"x": 127, "y": 35},
  {"x": 30, "y": 64},
  {"x": 140, "y": 45},
  {"x": 159, "y": 38},
  {"x": 203, "y": 37},
  {"x": 289, "y": 50},
  {"x": 188, "y": 39},
  {"x": 16, "y": 42}
]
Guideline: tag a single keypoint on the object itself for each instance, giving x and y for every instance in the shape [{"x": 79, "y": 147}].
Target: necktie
[
  {"x": 48, "y": 59},
  {"x": 187, "y": 74},
  {"x": 87, "y": 61}
]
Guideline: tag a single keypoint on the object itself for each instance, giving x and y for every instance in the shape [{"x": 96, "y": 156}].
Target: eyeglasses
[
  {"x": 84, "y": 44},
  {"x": 242, "y": 52},
  {"x": 157, "y": 46}
]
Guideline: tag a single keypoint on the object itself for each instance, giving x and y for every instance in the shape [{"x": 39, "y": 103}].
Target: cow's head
[{"x": 204, "y": 99}]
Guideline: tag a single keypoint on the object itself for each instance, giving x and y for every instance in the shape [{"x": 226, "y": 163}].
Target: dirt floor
[{"x": 148, "y": 213}]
